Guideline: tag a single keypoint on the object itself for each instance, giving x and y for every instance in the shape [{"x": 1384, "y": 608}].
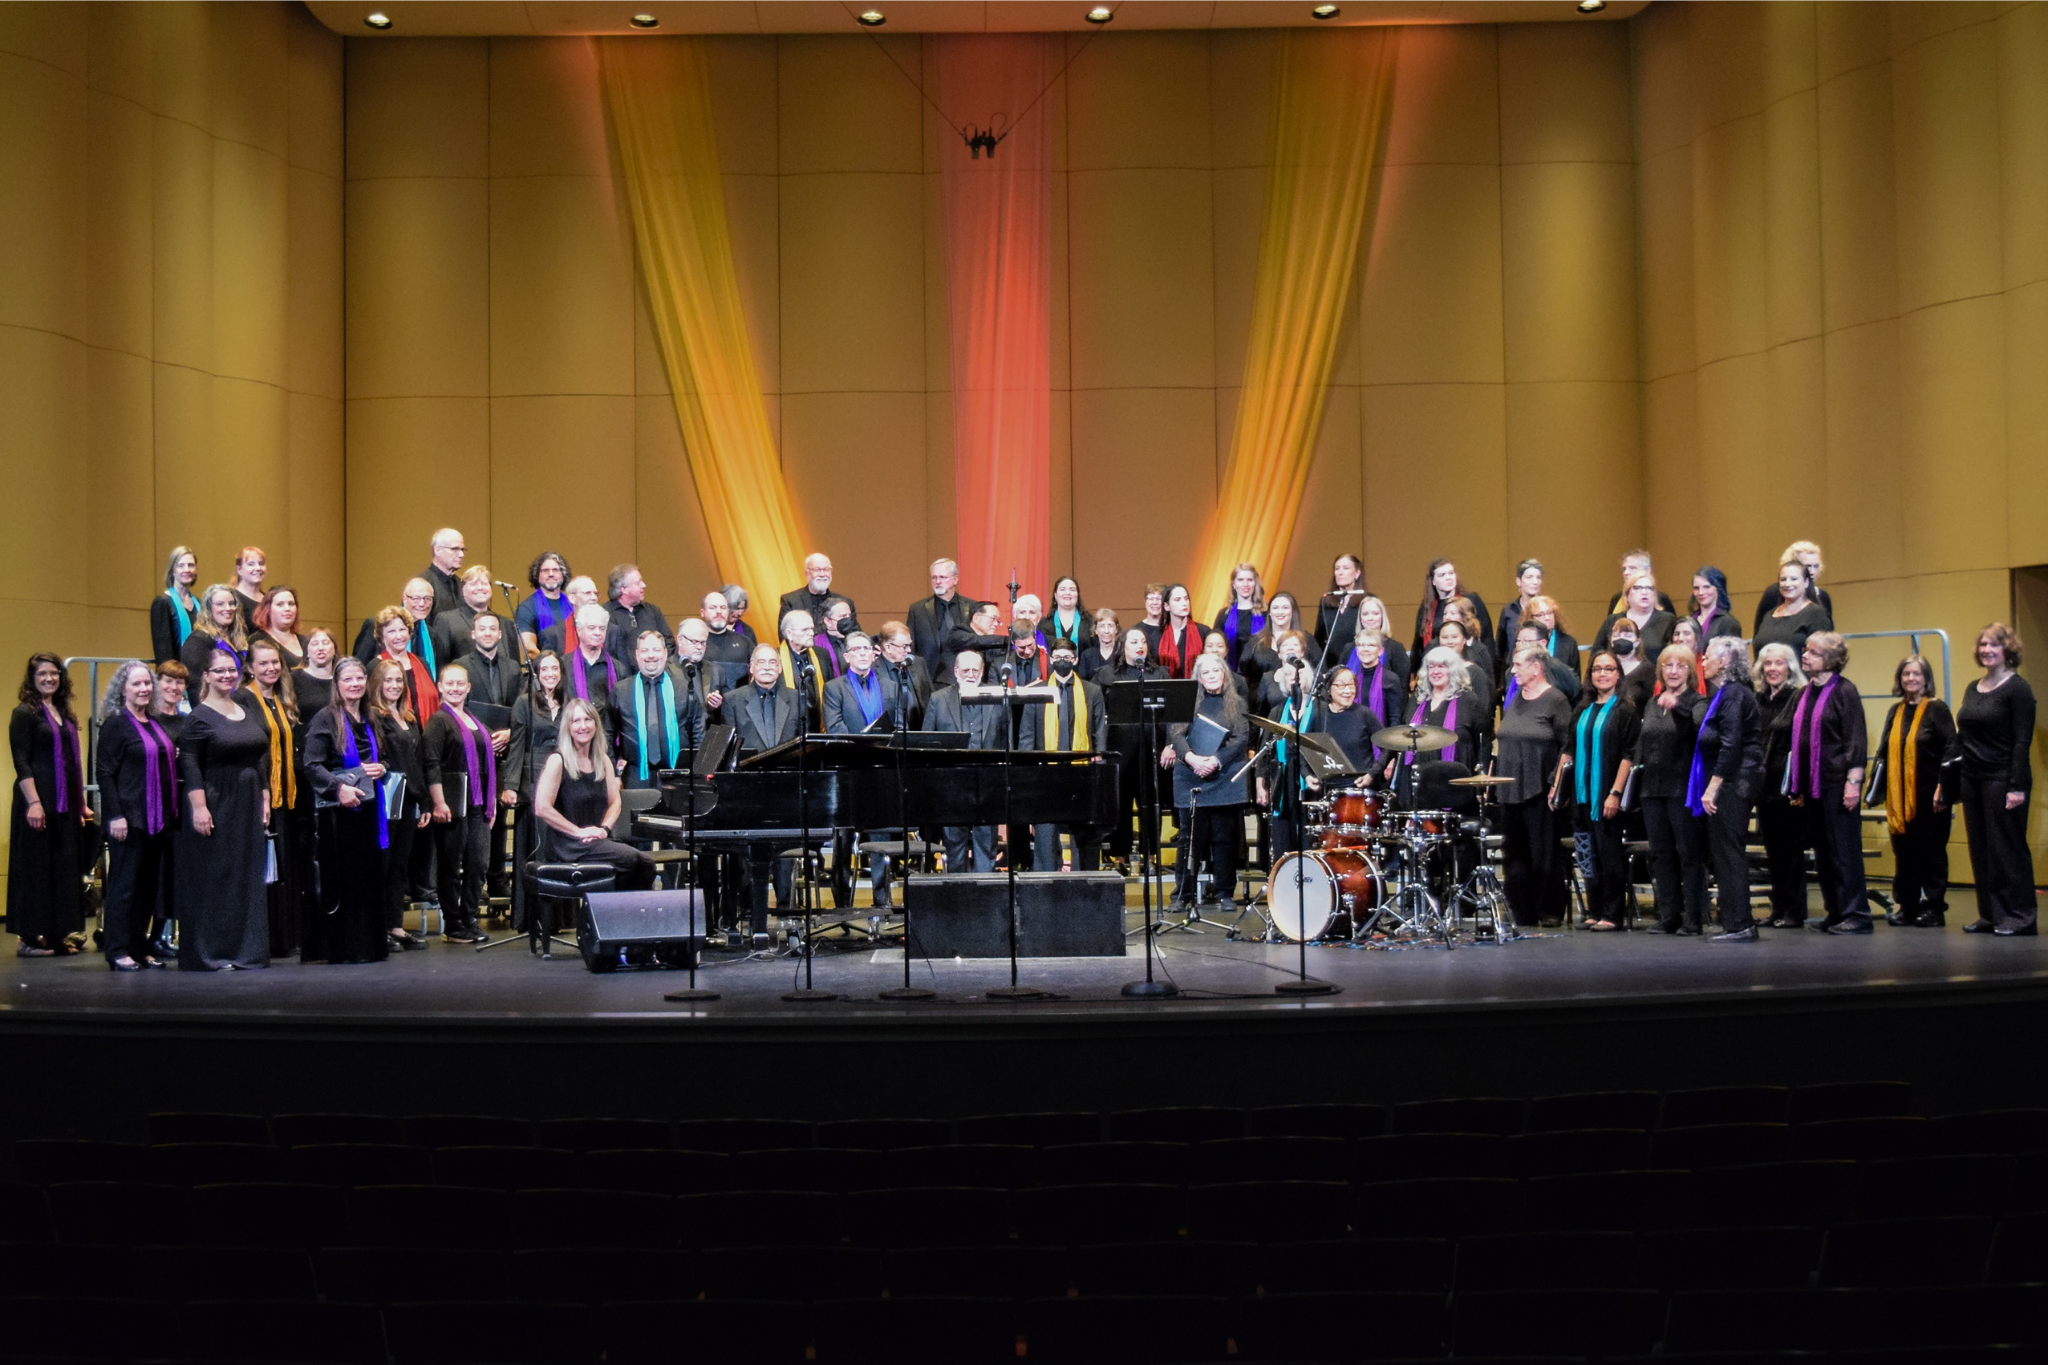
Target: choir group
[{"x": 262, "y": 792}]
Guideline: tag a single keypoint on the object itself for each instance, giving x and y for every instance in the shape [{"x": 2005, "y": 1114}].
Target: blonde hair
[
  {"x": 1795, "y": 676},
  {"x": 235, "y": 635},
  {"x": 565, "y": 743},
  {"x": 402, "y": 708},
  {"x": 1798, "y": 548}
]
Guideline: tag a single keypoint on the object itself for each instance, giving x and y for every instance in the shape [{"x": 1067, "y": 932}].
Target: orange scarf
[{"x": 1902, "y": 768}]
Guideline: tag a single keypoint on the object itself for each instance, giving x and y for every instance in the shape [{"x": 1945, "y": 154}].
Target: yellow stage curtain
[
  {"x": 1335, "y": 90},
  {"x": 657, "y": 91}
]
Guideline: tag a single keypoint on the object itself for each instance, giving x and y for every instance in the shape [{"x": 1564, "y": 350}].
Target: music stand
[
  {"x": 712, "y": 751},
  {"x": 1303, "y": 984},
  {"x": 1146, "y": 702},
  {"x": 1009, "y": 697}
]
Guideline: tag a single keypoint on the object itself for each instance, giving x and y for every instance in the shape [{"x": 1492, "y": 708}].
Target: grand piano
[{"x": 850, "y": 782}]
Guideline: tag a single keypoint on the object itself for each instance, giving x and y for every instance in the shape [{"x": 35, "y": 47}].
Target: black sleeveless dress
[{"x": 583, "y": 798}]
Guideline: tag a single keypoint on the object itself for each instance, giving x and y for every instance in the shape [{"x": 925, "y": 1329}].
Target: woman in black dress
[
  {"x": 1207, "y": 756},
  {"x": 1662, "y": 766},
  {"x": 398, "y": 738},
  {"x": 576, "y": 802},
  {"x": 462, "y": 778},
  {"x": 1918, "y": 735},
  {"x": 1180, "y": 639},
  {"x": 167, "y": 708},
  {"x": 1992, "y": 775},
  {"x": 1639, "y": 607},
  {"x": 269, "y": 693},
  {"x": 1824, "y": 773},
  {"x": 1260, "y": 654},
  {"x": 313, "y": 682},
  {"x": 1780, "y": 825},
  {"x": 1101, "y": 655},
  {"x": 1796, "y": 616},
  {"x": 217, "y": 629},
  {"x": 45, "y": 862},
  {"x": 1068, "y": 620},
  {"x": 1727, "y": 761},
  {"x": 1535, "y": 732},
  {"x": 1337, "y": 612},
  {"x": 224, "y": 768},
  {"x": 1133, "y": 770},
  {"x": 536, "y": 723},
  {"x": 277, "y": 620},
  {"x": 1528, "y": 587},
  {"x": 345, "y": 770},
  {"x": 1244, "y": 616},
  {"x": 1712, "y": 612},
  {"x": 172, "y": 611},
  {"x": 1543, "y": 611},
  {"x": 1440, "y": 588},
  {"x": 137, "y": 764},
  {"x": 251, "y": 566},
  {"x": 1603, "y": 737}
]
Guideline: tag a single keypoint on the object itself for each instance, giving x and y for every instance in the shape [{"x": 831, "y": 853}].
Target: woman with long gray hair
[
  {"x": 137, "y": 767},
  {"x": 1727, "y": 760}
]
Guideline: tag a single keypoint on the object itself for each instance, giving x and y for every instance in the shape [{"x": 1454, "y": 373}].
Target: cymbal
[
  {"x": 1482, "y": 780},
  {"x": 1407, "y": 738}
]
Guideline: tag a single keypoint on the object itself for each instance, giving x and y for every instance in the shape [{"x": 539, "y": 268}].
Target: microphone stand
[
  {"x": 696, "y": 870},
  {"x": 1303, "y": 984},
  {"x": 1148, "y": 834},
  {"x": 906, "y": 991},
  {"x": 1013, "y": 991},
  {"x": 805, "y": 671}
]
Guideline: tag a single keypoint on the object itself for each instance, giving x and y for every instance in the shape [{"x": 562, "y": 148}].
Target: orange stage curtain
[
  {"x": 998, "y": 234},
  {"x": 657, "y": 92},
  {"x": 1335, "y": 89}
]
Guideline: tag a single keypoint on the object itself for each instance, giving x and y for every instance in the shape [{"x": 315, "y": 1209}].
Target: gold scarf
[
  {"x": 284, "y": 781},
  {"x": 1051, "y": 725},
  {"x": 818, "y": 684},
  {"x": 1902, "y": 769}
]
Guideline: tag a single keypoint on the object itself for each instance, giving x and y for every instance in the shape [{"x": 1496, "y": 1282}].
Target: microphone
[{"x": 508, "y": 587}]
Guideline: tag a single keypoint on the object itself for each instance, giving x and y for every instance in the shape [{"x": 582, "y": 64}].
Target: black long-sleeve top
[
  {"x": 404, "y": 751},
  {"x": 121, "y": 761},
  {"x": 1772, "y": 599},
  {"x": 1664, "y": 744},
  {"x": 1471, "y": 727},
  {"x": 325, "y": 758},
  {"x": 163, "y": 628},
  {"x": 36, "y": 756},
  {"x": 1429, "y": 615},
  {"x": 1724, "y": 623},
  {"x": 534, "y": 733},
  {"x": 1994, "y": 731},
  {"x": 313, "y": 693},
  {"x": 1226, "y": 786},
  {"x": 1844, "y": 741},
  {"x": 1935, "y": 738},
  {"x": 1616, "y": 734},
  {"x": 1791, "y": 630},
  {"x": 1774, "y": 710},
  {"x": 1651, "y": 635},
  {"x": 1534, "y": 732},
  {"x": 1731, "y": 741},
  {"x": 442, "y": 748}
]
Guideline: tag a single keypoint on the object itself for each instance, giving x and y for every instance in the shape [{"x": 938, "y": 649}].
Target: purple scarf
[
  {"x": 1696, "y": 781},
  {"x": 351, "y": 756},
  {"x": 1806, "y": 739},
  {"x": 578, "y": 668},
  {"x": 468, "y": 727},
  {"x": 1230, "y": 629},
  {"x": 544, "y": 611},
  {"x": 1449, "y": 755},
  {"x": 63, "y": 741},
  {"x": 155, "y": 783}
]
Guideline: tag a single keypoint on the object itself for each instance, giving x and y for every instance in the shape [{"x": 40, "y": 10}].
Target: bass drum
[{"x": 1339, "y": 888}]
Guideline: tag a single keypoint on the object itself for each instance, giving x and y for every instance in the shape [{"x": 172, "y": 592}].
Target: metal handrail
[
  {"x": 92, "y": 716},
  {"x": 1914, "y": 636}
]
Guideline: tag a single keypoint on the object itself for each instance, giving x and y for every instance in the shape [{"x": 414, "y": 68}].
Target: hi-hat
[
  {"x": 1408, "y": 738},
  {"x": 1482, "y": 780}
]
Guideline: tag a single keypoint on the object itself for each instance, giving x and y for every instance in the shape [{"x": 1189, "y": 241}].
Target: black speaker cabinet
[
  {"x": 1059, "y": 914},
  {"x": 639, "y": 929}
]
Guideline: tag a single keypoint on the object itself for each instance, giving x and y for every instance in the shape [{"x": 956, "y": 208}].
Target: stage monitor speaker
[
  {"x": 1059, "y": 914},
  {"x": 639, "y": 929}
]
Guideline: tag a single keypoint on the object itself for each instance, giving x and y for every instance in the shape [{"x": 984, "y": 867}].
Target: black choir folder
[{"x": 1205, "y": 735}]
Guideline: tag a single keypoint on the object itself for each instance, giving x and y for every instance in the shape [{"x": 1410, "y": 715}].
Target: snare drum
[
  {"x": 1430, "y": 824},
  {"x": 1340, "y": 888}
]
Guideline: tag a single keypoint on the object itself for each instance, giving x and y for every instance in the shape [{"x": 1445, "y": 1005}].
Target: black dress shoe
[
  {"x": 1687, "y": 931},
  {"x": 1781, "y": 922},
  {"x": 1747, "y": 935},
  {"x": 2028, "y": 932},
  {"x": 1897, "y": 918},
  {"x": 1822, "y": 926},
  {"x": 1982, "y": 926},
  {"x": 1662, "y": 929},
  {"x": 124, "y": 964},
  {"x": 1930, "y": 919},
  {"x": 1848, "y": 928}
]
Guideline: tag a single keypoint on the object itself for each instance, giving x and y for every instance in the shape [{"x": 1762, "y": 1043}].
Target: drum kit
[{"x": 1371, "y": 874}]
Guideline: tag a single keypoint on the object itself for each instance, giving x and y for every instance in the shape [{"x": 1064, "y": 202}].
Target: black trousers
[
  {"x": 1045, "y": 847},
  {"x": 1529, "y": 858},
  {"x": 1920, "y": 862},
  {"x": 1607, "y": 888},
  {"x": 405, "y": 836},
  {"x": 497, "y": 881},
  {"x": 1216, "y": 830},
  {"x": 1782, "y": 828},
  {"x": 136, "y": 868},
  {"x": 1678, "y": 861},
  {"x": 1837, "y": 835},
  {"x": 461, "y": 847},
  {"x": 1727, "y": 836},
  {"x": 1999, "y": 854},
  {"x": 1130, "y": 790}
]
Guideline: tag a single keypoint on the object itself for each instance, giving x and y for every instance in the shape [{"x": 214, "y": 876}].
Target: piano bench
[{"x": 559, "y": 891}]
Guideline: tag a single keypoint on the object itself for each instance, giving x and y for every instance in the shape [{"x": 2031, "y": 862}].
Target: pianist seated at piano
[
  {"x": 969, "y": 848},
  {"x": 1078, "y": 722},
  {"x": 805, "y": 668},
  {"x": 576, "y": 802},
  {"x": 658, "y": 713}
]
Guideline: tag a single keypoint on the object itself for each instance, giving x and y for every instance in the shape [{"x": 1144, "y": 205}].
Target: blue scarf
[
  {"x": 1230, "y": 631},
  {"x": 184, "y": 618},
  {"x": 665, "y": 701},
  {"x": 1696, "y": 781},
  {"x": 351, "y": 756},
  {"x": 868, "y": 694},
  {"x": 1586, "y": 775}
]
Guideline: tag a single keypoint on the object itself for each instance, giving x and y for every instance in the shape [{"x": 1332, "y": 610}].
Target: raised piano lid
[{"x": 926, "y": 749}]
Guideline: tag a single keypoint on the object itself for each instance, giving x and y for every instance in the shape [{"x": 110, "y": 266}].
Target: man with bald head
[
  {"x": 418, "y": 601},
  {"x": 441, "y": 574},
  {"x": 726, "y": 651},
  {"x": 816, "y": 595}
]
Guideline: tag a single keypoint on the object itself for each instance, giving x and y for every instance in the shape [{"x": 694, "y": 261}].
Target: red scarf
[
  {"x": 1177, "y": 655},
  {"x": 426, "y": 698}
]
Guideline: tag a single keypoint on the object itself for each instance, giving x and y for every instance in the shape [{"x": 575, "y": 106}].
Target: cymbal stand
[
  {"x": 1013, "y": 991},
  {"x": 1148, "y": 838},
  {"x": 906, "y": 991},
  {"x": 1482, "y": 890},
  {"x": 1303, "y": 984}
]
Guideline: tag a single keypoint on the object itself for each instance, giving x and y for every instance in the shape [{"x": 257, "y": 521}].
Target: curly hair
[{"x": 28, "y": 696}]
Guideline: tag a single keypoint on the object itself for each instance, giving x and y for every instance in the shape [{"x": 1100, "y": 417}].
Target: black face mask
[
  {"x": 1622, "y": 645},
  {"x": 1063, "y": 667}
]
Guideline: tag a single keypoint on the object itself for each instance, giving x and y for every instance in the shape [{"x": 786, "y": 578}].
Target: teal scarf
[
  {"x": 665, "y": 701},
  {"x": 1593, "y": 740}
]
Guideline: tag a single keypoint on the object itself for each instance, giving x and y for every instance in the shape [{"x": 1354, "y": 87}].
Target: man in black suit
[
  {"x": 632, "y": 614},
  {"x": 655, "y": 702},
  {"x": 816, "y": 595},
  {"x": 933, "y": 620},
  {"x": 969, "y": 848},
  {"x": 1078, "y": 723},
  {"x": 765, "y": 714},
  {"x": 901, "y": 665},
  {"x": 447, "y": 549}
]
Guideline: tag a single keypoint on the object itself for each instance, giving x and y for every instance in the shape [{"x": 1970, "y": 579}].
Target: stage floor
[{"x": 1217, "y": 977}]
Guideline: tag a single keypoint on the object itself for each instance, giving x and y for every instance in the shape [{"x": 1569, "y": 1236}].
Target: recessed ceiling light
[
  {"x": 1101, "y": 14},
  {"x": 872, "y": 18},
  {"x": 644, "y": 21},
  {"x": 1592, "y": 6},
  {"x": 1326, "y": 11},
  {"x": 378, "y": 19}
]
